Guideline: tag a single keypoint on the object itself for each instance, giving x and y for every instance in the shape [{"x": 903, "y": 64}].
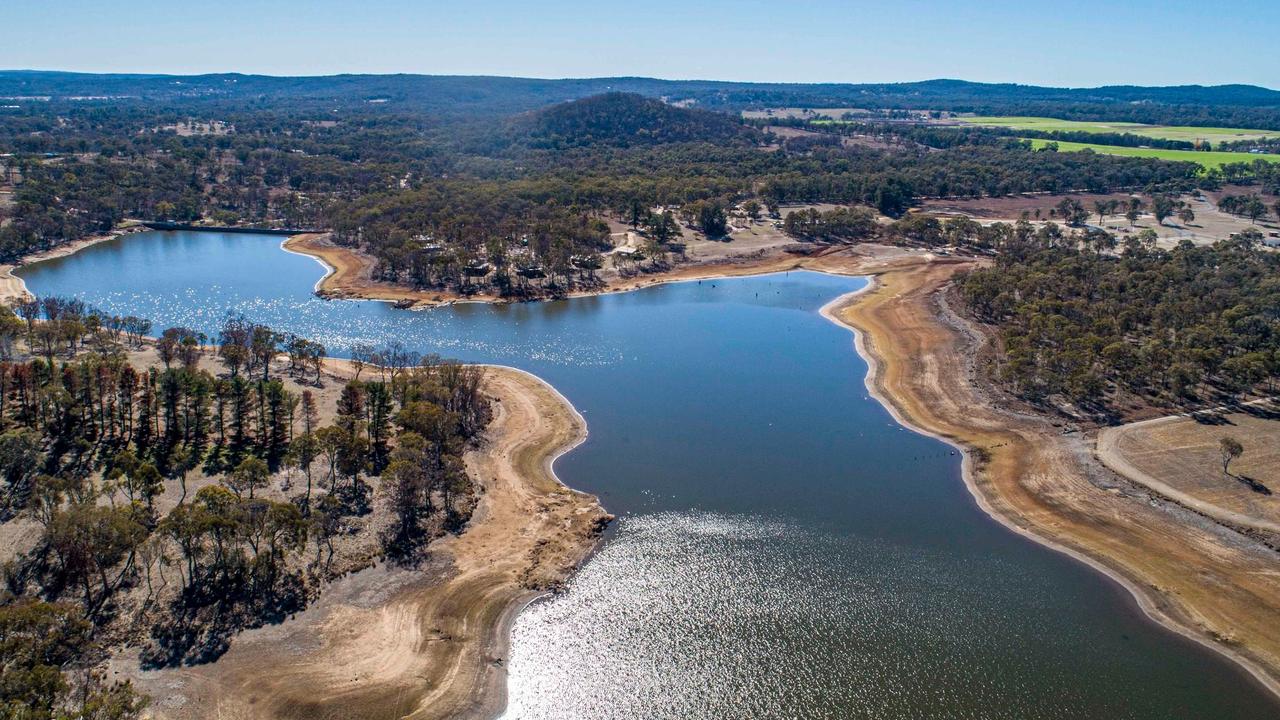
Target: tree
[
  {"x": 662, "y": 227},
  {"x": 179, "y": 343},
  {"x": 712, "y": 220},
  {"x": 1254, "y": 209},
  {"x": 1162, "y": 206},
  {"x": 752, "y": 209},
  {"x": 407, "y": 480},
  {"x": 303, "y": 452},
  {"x": 1230, "y": 449},
  {"x": 1102, "y": 208},
  {"x": 1186, "y": 215},
  {"x": 330, "y": 440},
  {"x": 90, "y": 540},
  {"x": 1134, "y": 211},
  {"x": 234, "y": 342},
  {"x": 360, "y": 356},
  {"x": 20, "y": 460},
  {"x": 39, "y": 641},
  {"x": 252, "y": 473},
  {"x": 1072, "y": 211}
]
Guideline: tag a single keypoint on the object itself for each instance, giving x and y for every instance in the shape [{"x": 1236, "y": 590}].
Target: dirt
[
  {"x": 427, "y": 642},
  {"x": 1178, "y": 457},
  {"x": 1197, "y": 577}
]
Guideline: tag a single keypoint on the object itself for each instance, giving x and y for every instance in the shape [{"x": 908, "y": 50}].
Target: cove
[{"x": 784, "y": 549}]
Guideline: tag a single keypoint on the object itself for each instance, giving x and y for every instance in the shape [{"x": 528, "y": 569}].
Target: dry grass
[{"x": 1183, "y": 453}]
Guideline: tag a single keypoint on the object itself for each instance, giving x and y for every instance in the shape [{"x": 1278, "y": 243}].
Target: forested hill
[
  {"x": 461, "y": 95},
  {"x": 625, "y": 120}
]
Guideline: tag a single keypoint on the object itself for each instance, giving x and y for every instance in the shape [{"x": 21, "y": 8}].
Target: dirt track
[{"x": 1195, "y": 576}]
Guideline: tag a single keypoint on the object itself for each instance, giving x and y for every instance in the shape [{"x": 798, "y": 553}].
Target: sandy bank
[
  {"x": 12, "y": 287},
  {"x": 1199, "y": 578},
  {"x": 349, "y": 273},
  {"x": 427, "y": 642}
]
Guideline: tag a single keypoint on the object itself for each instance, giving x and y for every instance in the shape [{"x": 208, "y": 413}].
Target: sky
[{"x": 1072, "y": 44}]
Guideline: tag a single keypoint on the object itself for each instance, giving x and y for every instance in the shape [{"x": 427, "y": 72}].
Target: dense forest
[
  {"x": 472, "y": 96},
  {"x": 178, "y": 490},
  {"x": 1098, "y": 330}
]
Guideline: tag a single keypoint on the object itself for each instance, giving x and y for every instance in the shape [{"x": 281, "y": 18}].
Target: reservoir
[{"x": 784, "y": 549}]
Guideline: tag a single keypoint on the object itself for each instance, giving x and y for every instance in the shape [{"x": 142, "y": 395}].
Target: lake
[{"x": 784, "y": 549}]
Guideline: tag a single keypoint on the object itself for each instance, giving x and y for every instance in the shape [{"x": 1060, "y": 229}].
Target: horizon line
[{"x": 133, "y": 74}]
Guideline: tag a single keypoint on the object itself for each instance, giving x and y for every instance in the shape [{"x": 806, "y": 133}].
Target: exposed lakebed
[{"x": 784, "y": 548}]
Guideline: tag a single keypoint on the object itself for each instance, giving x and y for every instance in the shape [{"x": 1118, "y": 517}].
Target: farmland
[
  {"x": 1164, "y": 132},
  {"x": 1208, "y": 160}
]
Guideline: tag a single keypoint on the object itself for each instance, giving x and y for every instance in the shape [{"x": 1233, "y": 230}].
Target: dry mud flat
[
  {"x": 1198, "y": 577},
  {"x": 424, "y": 642}
]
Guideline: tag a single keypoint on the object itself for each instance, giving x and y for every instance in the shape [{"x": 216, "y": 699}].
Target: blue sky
[{"x": 1081, "y": 43}]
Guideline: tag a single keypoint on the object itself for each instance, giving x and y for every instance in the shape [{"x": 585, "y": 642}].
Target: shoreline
[
  {"x": 347, "y": 273},
  {"x": 424, "y": 642},
  {"x": 1005, "y": 486},
  {"x": 494, "y": 700},
  {"x": 850, "y": 312},
  {"x": 14, "y": 289}
]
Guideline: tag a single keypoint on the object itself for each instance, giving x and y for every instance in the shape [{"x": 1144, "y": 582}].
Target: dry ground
[
  {"x": 423, "y": 642},
  {"x": 1209, "y": 226},
  {"x": 1203, "y": 579},
  {"x": 1182, "y": 453}
]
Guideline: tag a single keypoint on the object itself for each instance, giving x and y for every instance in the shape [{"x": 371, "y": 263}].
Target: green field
[
  {"x": 1206, "y": 159},
  {"x": 1166, "y": 132}
]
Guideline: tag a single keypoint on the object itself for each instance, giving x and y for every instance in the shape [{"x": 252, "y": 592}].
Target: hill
[{"x": 625, "y": 120}]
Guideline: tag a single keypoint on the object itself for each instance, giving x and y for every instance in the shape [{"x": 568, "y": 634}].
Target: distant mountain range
[{"x": 470, "y": 95}]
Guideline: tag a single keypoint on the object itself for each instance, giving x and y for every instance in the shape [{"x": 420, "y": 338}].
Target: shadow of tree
[
  {"x": 1253, "y": 484},
  {"x": 203, "y": 619}
]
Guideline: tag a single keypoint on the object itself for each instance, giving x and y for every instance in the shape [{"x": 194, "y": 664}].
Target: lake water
[{"x": 784, "y": 549}]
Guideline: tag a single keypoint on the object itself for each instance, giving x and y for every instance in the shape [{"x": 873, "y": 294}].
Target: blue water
[{"x": 784, "y": 549}]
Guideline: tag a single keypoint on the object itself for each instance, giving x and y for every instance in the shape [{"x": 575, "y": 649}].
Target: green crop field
[
  {"x": 1206, "y": 159},
  {"x": 1166, "y": 132}
]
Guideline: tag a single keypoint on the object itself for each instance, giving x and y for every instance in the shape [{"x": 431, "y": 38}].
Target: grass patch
[
  {"x": 1165, "y": 132},
  {"x": 1205, "y": 159}
]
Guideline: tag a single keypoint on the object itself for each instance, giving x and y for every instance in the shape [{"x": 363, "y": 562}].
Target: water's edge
[
  {"x": 502, "y": 633},
  {"x": 1142, "y": 599}
]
